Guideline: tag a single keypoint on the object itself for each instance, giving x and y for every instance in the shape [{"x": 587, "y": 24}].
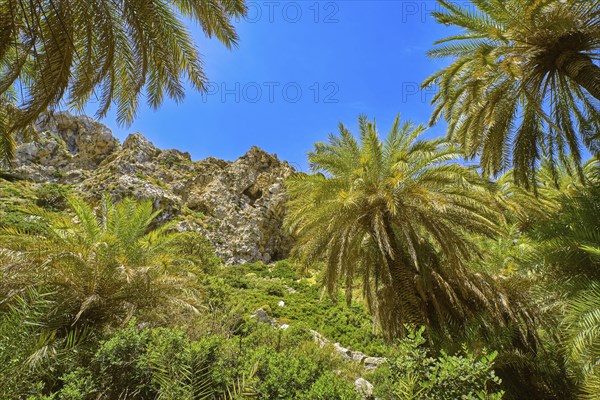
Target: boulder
[
  {"x": 364, "y": 388},
  {"x": 373, "y": 362},
  {"x": 262, "y": 316}
]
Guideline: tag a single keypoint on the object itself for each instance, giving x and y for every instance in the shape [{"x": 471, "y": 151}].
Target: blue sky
[{"x": 300, "y": 68}]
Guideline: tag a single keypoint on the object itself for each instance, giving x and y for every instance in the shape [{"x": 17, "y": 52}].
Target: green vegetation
[
  {"x": 95, "y": 293},
  {"x": 67, "y": 51},
  {"x": 412, "y": 374},
  {"x": 523, "y": 83},
  {"x": 396, "y": 214},
  {"x": 468, "y": 288},
  {"x": 252, "y": 286},
  {"x": 107, "y": 306}
]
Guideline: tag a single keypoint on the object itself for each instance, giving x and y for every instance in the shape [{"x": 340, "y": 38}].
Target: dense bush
[
  {"x": 411, "y": 373},
  {"x": 331, "y": 387},
  {"x": 252, "y": 286},
  {"x": 147, "y": 363},
  {"x": 52, "y": 196}
]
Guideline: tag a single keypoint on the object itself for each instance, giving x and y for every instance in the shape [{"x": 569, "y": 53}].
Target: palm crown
[
  {"x": 524, "y": 83},
  {"x": 395, "y": 213},
  {"x": 105, "y": 266},
  {"x": 112, "y": 50}
]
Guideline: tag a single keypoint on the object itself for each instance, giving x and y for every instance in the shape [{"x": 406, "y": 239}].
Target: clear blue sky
[{"x": 346, "y": 57}]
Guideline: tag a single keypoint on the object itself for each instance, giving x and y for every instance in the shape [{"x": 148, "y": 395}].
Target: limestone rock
[
  {"x": 364, "y": 388},
  {"x": 348, "y": 354},
  {"x": 357, "y": 356},
  {"x": 64, "y": 143},
  {"x": 245, "y": 199},
  {"x": 262, "y": 316},
  {"x": 241, "y": 203},
  {"x": 373, "y": 362}
]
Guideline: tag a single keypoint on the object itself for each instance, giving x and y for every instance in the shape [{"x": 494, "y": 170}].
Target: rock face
[
  {"x": 238, "y": 206},
  {"x": 68, "y": 149},
  {"x": 246, "y": 199}
]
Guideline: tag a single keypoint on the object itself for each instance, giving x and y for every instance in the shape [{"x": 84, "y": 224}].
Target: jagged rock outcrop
[
  {"x": 238, "y": 205},
  {"x": 67, "y": 149},
  {"x": 246, "y": 199}
]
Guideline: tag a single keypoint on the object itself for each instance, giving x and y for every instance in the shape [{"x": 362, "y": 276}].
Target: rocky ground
[{"x": 238, "y": 205}]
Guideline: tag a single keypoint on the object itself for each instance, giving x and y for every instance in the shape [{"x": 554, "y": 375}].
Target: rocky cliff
[{"x": 238, "y": 205}]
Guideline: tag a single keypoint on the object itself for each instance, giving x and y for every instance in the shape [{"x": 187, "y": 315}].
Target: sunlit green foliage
[
  {"x": 395, "y": 212},
  {"x": 72, "y": 51},
  {"x": 523, "y": 83},
  {"x": 105, "y": 267},
  {"x": 412, "y": 374},
  {"x": 582, "y": 339}
]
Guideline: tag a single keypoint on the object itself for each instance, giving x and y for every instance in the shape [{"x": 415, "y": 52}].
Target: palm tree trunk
[
  {"x": 580, "y": 68},
  {"x": 403, "y": 281}
]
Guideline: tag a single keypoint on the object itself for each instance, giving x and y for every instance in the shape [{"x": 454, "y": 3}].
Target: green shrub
[
  {"x": 331, "y": 387},
  {"x": 148, "y": 363},
  {"x": 259, "y": 268},
  {"x": 77, "y": 385},
  {"x": 272, "y": 288},
  {"x": 289, "y": 363},
  {"x": 410, "y": 373},
  {"x": 52, "y": 196},
  {"x": 285, "y": 375},
  {"x": 20, "y": 221},
  {"x": 285, "y": 270}
]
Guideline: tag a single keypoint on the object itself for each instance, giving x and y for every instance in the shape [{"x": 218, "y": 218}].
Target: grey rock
[
  {"x": 357, "y": 356},
  {"x": 364, "y": 388},
  {"x": 348, "y": 354},
  {"x": 242, "y": 203},
  {"x": 373, "y": 362},
  {"x": 64, "y": 142},
  {"x": 262, "y": 316}
]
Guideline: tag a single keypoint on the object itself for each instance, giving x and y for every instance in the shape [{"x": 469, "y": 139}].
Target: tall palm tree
[
  {"x": 103, "y": 268},
  {"x": 396, "y": 213},
  {"x": 564, "y": 257},
  {"x": 113, "y": 51},
  {"x": 524, "y": 82}
]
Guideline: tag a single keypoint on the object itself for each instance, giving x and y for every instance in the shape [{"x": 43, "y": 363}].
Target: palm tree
[
  {"x": 524, "y": 82},
  {"x": 396, "y": 214},
  {"x": 35, "y": 342},
  {"x": 564, "y": 261},
  {"x": 552, "y": 182},
  {"x": 568, "y": 242},
  {"x": 113, "y": 51},
  {"x": 104, "y": 268},
  {"x": 582, "y": 344}
]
